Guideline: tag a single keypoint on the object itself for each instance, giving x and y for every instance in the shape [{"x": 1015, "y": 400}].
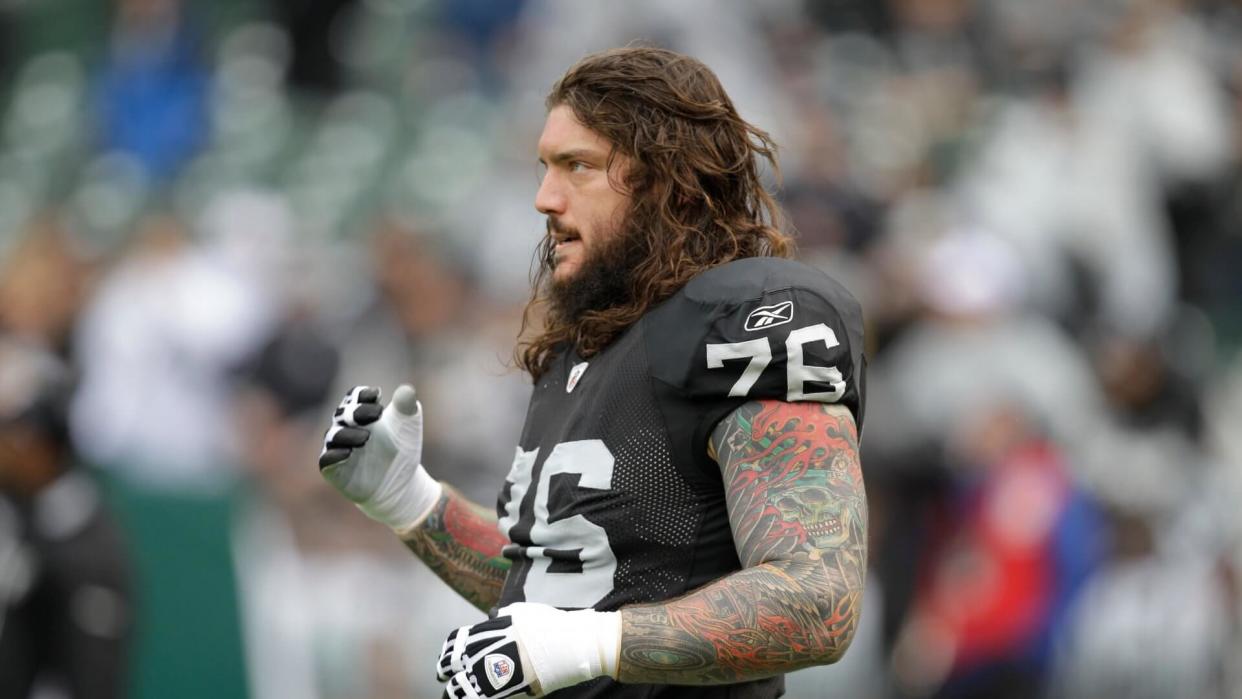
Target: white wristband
[
  {"x": 405, "y": 497},
  {"x": 566, "y": 648}
]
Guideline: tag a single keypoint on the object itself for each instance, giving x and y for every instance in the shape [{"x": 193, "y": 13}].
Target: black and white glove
[
  {"x": 372, "y": 454},
  {"x": 529, "y": 649}
]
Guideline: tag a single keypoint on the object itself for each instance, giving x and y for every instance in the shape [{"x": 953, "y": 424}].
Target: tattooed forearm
[
  {"x": 762, "y": 621},
  {"x": 799, "y": 515},
  {"x": 459, "y": 541}
]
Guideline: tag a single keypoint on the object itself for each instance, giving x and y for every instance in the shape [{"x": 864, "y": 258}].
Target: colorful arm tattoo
[
  {"x": 796, "y": 503},
  {"x": 460, "y": 543}
]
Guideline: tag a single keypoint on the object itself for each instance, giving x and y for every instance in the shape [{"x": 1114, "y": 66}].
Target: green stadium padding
[{"x": 188, "y": 636}]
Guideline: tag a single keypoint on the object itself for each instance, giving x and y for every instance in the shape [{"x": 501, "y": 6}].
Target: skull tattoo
[{"x": 819, "y": 511}]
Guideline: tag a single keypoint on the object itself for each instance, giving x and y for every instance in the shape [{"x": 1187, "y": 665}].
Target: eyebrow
[{"x": 571, "y": 154}]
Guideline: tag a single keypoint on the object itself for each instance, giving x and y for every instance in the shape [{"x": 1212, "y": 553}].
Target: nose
[{"x": 550, "y": 199}]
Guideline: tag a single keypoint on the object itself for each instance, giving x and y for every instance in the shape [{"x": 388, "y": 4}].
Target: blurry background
[{"x": 217, "y": 216}]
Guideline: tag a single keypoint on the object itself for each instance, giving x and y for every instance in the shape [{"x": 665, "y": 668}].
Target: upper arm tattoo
[
  {"x": 793, "y": 482},
  {"x": 793, "y": 486}
]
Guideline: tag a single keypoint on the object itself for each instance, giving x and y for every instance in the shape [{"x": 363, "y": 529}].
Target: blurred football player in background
[
  {"x": 686, "y": 505},
  {"x": 65, "y": 607}
]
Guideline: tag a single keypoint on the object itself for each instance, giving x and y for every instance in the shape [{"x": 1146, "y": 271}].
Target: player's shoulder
[
  {"x": 750, "y": 302},
  {"x": 762, "y": 293},
  {"x": 758, "y": 329},
  {"x": 753, "y": 276}
]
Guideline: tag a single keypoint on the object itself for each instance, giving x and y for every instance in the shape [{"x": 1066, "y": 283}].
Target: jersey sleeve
[{"x": 755, "y": 329}]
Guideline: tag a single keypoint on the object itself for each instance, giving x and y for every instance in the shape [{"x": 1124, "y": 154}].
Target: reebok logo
[
  {"x": 499, "y": 669},
  {"x": 765, "y": 317}
]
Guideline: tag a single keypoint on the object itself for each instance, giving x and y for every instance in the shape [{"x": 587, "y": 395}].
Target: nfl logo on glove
[{"x": 499, "y": 669}]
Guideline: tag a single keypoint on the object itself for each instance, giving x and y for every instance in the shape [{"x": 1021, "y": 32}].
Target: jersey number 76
[{"x": 797, "y": 372}]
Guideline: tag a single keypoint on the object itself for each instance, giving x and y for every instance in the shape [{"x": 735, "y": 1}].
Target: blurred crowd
[{"x": 215, "y": 217}]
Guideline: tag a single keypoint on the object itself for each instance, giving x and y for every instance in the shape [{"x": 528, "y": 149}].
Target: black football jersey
[{"x": 612, "y": 498}]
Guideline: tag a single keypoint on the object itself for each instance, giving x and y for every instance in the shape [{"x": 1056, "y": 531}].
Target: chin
[{"x": 564, "y": 271}]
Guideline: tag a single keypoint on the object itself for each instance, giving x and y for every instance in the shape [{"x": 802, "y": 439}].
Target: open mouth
[{"x": 563, "y": 246}]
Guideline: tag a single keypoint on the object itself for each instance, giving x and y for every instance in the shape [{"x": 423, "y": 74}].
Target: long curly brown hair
[{"x": 694, "y": 181}]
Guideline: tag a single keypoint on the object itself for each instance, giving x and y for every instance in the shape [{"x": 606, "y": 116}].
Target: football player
[
  {"x": 685, "y": 513},
  {"x": 66, "y": 600}
]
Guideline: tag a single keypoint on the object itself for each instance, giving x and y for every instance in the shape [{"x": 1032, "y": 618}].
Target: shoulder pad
[{"x": 760, "y": 328}]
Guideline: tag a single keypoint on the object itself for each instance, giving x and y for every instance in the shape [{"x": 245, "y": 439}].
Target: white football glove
[
  {"x": 372, "y": 455},
  {"x": 529, "y": 648}
]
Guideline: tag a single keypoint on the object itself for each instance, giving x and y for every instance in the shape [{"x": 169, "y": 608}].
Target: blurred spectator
[
  {"x": 315, "y": 28},
  {"x": 286, "y": 518},
  {"x": 1154, "y": 592},
  {"x": 163, "y": 334},
  {"x": 1019, "y": 540},
  {"x": 153, "y": 87},
  {"x": 976, "y": 347},
  {"x": 66, "y": 613},
  {"x": 828, "y": 211},
  {"x": 159, "y": 348},
  {"x": 297, "y": 365},
  {"x": 975, "y": 413},
  {"x": 277, "y": 417},
  {"x": 485, "y": 32},
  {"x": 44, "y": 282}
]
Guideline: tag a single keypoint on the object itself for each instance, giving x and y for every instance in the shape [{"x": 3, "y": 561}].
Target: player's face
[{"x": 579, "y": 194}]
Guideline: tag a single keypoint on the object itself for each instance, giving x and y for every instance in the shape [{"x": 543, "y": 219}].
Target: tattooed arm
[
  {"x": 460, "y": 543},
  {"x": 799, "y": 516}
]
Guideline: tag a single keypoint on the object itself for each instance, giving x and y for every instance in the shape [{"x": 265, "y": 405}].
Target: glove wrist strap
[
  {"x": 572, "y": 647},
  {"x": 609, "y": 645},
  {"x": 405, "y": 498}
]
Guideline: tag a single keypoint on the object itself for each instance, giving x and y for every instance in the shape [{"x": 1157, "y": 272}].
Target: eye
[
  {"x": 788, "y": 503},
  {"x": 578, "y": 166}
]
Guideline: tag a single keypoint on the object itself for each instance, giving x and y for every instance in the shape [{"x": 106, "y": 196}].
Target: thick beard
[{"x": 604, "y": 279}]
